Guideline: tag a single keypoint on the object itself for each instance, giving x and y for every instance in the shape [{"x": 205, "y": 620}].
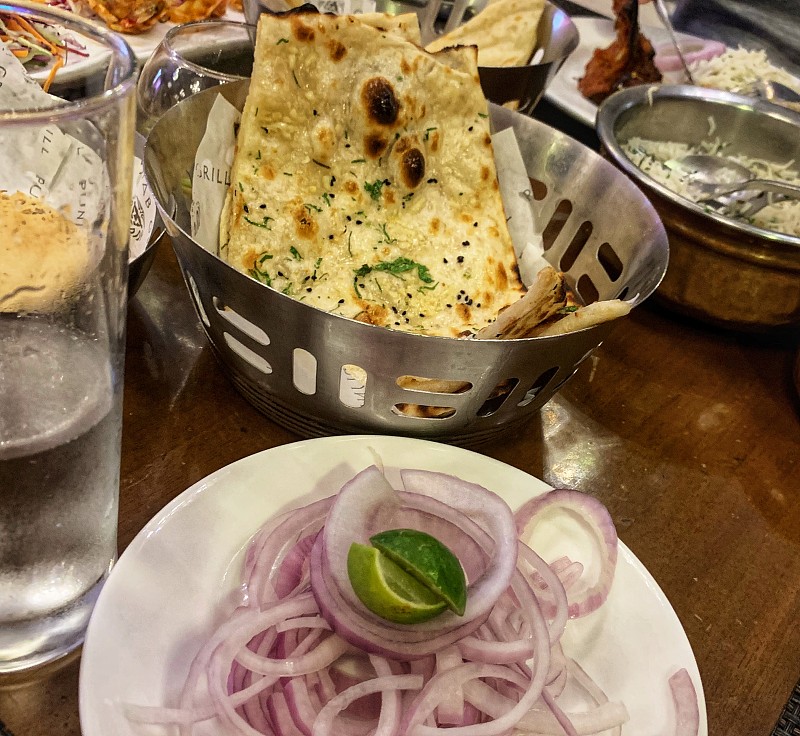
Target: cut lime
[
  {"x": 387, "y": 590},
  {"x": 429, "y": 561}
]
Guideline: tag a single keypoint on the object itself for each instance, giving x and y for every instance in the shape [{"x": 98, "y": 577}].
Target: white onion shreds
[
  {"x": 323, "y": 724},
  {"x": 687, "y": 710},
  {"x": 598, "y": 520}
]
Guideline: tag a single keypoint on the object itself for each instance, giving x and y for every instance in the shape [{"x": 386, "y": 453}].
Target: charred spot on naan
[
  {"x": 380, "y": 101},
  {"x": 300, "y": 30},
  {"x": 372, "y": 313},
  {"x": 412, "y": 167},
  {"x": 337, "y": 50},
  {"x": 305, "y": 225},
  {"x": 375, "y": 144}
]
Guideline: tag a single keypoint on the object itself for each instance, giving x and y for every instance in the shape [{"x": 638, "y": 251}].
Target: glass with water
[{"x": 65, "y": 198}]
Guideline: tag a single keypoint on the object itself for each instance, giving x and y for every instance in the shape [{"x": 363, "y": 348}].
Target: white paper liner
[{"x": 56, "y": 167}]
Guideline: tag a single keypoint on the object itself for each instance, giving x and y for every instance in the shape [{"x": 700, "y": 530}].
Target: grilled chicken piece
[
  {"x": 129, "y": 16},
  {"x": 627, "y": 62}
]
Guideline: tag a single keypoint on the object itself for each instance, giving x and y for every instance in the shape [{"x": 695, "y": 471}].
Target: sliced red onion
[
  {"x": 367, "y": 634},
  {"x": 274, "y": 667},
  {"x": 597, "y": 519},
  {"x": 687, "y": 710},
  {"x": 451, "y": 710},
  {"x": 273, "y": 542},
  {"x": 323, "y": 655},
  {"x": 540, "y": 720},
  {"x": 368, "y": 504},
  {"x": 323, "y": 725},
  {"x": 281, "y": 718},
  {"x": 693, "y": 50}
]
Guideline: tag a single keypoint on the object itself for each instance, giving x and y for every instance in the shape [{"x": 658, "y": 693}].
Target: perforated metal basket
[{"x": 319, "y": 373}]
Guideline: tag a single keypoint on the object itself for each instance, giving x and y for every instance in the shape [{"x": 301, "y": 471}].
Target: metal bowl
[
  {"x": 297, "y": 364},
  {"x": 723, "y": 271},
  {"x": 520, "y": 86}
]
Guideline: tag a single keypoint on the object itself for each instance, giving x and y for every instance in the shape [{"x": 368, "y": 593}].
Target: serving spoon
[
  {"x": 771, "y": 91},
  {"x": 728, "y": 182}
]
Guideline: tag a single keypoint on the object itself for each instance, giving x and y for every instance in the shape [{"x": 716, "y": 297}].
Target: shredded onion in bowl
[{"x": 301, "y": 655}]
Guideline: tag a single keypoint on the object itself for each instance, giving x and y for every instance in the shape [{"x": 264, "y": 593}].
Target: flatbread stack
[
  {"x": 364, "y": 183},
  {"x": 505, "y": 32}
]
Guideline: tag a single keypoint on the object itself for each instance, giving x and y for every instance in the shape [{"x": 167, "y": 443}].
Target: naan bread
[
  {"x": 546, "y": 298},
  {"x": 364, "y": 180},
  {"x": 583, "y": 317},
  {"x": 43, "y": 255},
  {"x": 505, "y": 32}
]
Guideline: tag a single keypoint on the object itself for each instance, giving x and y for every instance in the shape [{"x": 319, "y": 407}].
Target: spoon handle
[
  {"x": 664, "y": 17},
  {"x": 762, "y": 185}
]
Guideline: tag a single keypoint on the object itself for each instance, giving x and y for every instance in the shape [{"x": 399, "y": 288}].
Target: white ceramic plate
[
  {"x": 594, "y": 33},
  {"x": 142, "y": 45},
  {"x": 168, "y": 590}
]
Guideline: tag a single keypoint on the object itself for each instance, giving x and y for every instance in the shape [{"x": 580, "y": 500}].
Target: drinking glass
[
  {"x": 190, "y": 58},
  {"x": 65, "y": 205}
]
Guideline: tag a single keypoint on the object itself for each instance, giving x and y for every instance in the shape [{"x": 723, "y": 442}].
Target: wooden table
[{"x": 688, "y": 434}]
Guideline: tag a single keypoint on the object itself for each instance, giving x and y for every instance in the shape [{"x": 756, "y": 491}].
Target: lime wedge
[
  {"x": 429, "y": 561},
  {"x": 387, "y": 590}
]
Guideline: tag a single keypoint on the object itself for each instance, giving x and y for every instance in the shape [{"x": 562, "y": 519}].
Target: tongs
[
  {"x": 747, "y": 194},
  {"x": 664, "y": 17}
]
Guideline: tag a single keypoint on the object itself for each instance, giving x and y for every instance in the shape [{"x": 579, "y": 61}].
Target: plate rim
[{"x": 213, "y": 481}]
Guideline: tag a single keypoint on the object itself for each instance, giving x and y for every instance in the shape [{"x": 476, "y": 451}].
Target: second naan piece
[
  {"x": 364, "y": 180},
  {"x": 505, "y": 32}
]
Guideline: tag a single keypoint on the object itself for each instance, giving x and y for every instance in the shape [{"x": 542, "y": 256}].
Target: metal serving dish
[
  {"x": 293, "y": 361},
  {"x": 721, "y": 270},
  {"x": 522, "y": 86}
]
